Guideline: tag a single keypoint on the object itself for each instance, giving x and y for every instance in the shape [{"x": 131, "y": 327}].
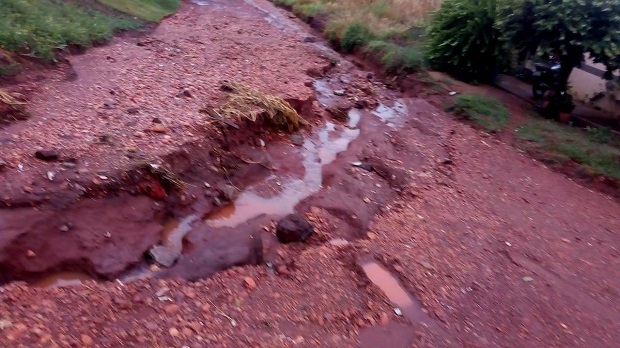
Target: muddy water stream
[
  {"x": 330, "y": 140},
  {"x": 277, "y": 195}
]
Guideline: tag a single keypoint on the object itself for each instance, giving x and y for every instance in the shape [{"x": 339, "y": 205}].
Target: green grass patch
[
  {"x": 305, "y": 9},
  {"x": 489, "y": 113},
  {"x": 149, "y": 10},
  {"x": 39, "y": 27},
  {"x": 389, "y": 30},
  {"x": 559, "y": 143}
]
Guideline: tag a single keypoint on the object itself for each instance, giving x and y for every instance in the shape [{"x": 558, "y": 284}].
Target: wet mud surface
[{"x": 428, "y": 233}]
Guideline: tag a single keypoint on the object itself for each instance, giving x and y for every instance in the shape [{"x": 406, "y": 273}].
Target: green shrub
[
  {"x": 489, "y": 113},
  {"x": 463, "y": 39},
  {"x": 355, "y": 35},
  {"x": 397, "y": 58}
]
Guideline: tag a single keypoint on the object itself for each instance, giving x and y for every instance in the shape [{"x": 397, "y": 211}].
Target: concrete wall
[{"x": 586, "y": 82}]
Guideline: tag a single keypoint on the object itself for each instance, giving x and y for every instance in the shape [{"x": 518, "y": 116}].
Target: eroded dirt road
[{"x": 428, "y": 233}]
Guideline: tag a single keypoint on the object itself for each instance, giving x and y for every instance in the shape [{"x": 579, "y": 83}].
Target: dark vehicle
[{"x": 545, "y": 81}]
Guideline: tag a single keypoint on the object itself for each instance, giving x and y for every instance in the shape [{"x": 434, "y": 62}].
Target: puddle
[
  {"x": 316, "y": 152},
  {"x": 391, "y": 114},
  {"x": 324, "y": 93},
  {"x": 221, "y": 213},
  {"x": 400, "y": 298},
  {"x": 61, "y": 279},
  {"x": 175, "y": 231}
]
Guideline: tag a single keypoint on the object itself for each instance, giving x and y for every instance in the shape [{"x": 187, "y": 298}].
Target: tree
[
  {"x": 570, "y": 28},
  {"x": 463, "y": 39}
]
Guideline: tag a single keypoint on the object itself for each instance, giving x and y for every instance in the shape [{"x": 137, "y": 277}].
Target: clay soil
[{"x": 497, "y": 248}]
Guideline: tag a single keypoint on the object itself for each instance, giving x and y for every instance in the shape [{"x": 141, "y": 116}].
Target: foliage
[
  {"x": 389, "y": 30},
  {"x": 464, "y": 40},
  {"x": 397, "y": 58},
  {"x": 560, "y": 143},
  {"x": 305, "y": 9},
  {"x": 355, "y": 35},
  {"x": 149, "y": 10},
  {"x": 39, "y": 27},
  {"x": 569, "y": 28},
  {"x": 489, "y": 113}
]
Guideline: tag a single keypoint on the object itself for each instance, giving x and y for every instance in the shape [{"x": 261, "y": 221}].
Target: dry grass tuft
[
  {"x": 9, "y": 100},
  {"x": 11, "y": 108},
  {"x": 249, "y": 103}
]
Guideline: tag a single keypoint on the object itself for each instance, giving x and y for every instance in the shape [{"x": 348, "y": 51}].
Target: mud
[
  {"x": 446, "y": 213},
  {"x": 405, "y": 304},
  {"x": 274, "y": 180}
]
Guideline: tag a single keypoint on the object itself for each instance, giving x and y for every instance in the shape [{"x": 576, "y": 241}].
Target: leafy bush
[
  {"x": 355, "y": 35},
  {"x": 489, "y": 113},
  {"x": 463, "y": 39}
]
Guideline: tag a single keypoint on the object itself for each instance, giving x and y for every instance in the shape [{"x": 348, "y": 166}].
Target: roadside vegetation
[
  {"x": 148, "y": 10},
  {"x": 595, "y": 150},
  {"x": 486, "y": 112},
  {"x": 391, "y": 31},
  {"x": 39, "y": 28}
]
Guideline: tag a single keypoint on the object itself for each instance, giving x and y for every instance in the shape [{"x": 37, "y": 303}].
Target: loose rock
[
  {"x": 109, "y": 103},
  {"x": 293, "y": 228},
  {"x": 163, "y": 255},
  {"x": 361, "y": 104},
  {"x": 297, "y": 139},
  {"x": 86, "y": 340},
  {"x": 340, "y": 112},
  {"x": 173, "y": 332},
  {"x": 339, "y": 92},
  {"x": 249, "y": 283},
  {"x": 228, "y": 193},
  {"x": 158, "y": 128},
  {"x": 46, "y": 155}
]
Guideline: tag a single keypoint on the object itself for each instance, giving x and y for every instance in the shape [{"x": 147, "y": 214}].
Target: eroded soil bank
[{"x": 428, "y": 233}]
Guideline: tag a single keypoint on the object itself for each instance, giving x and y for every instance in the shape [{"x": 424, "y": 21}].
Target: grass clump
[
  {"x": 245, "y": 102},
  {"x": 148, "y": 10},
  {"x": 40, "y": 27},
  {"x": 390, "y": 30},
  {"x": 353, "y": 36},
  {"x": 489, "y": 113},
  {"x": 559, "y": 143},
  {"x": 397, "y": 58}
]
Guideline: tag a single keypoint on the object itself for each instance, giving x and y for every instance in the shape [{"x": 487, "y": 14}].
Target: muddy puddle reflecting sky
[{"x": 316, "y": 152}]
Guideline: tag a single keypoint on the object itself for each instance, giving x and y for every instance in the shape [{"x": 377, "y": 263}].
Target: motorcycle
[{"x": 545, "y": 82}]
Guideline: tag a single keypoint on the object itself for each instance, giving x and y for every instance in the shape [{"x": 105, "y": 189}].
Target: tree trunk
[{"x": 567, "y": 68}]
